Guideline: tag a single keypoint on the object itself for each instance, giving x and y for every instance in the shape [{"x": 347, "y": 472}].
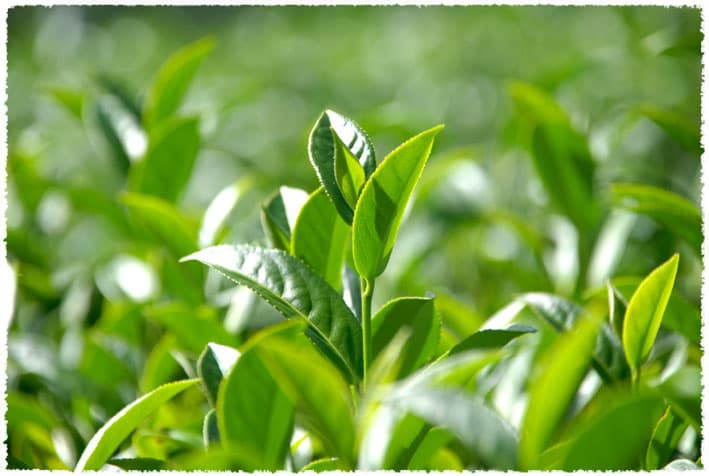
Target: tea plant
[
  {"x": 373, "y": 390},
  {"x": 291, "y": 360}
]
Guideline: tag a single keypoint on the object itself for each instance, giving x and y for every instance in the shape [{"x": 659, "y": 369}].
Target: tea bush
[{"x": 528, "y": 305}]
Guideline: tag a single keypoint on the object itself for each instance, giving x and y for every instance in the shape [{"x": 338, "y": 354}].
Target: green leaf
[
  {"x": 172, "y": 80},
  {"x": 210, "y": 429},
  {"x": 478, "y": 427},
  {"x": 349, "y": 174},
  {"x": 71, "y": 99},
  {"x": 253, "y": 414},
  {"x": 279, "y": 214},
  {"x": 321, "y": 150},
  {"x": 323, "y": 464},
  {"x": 414, "y": 313},
  {"x": 683, "y": 390},
  {"x": 381, "y": 205},
  {"x": 317, "y": 389},
  {"x": 138, "y": 464},
  {"x": 216, "y": 217},
  {"x": 676, "y": 213},
  {"x": 295, "y": 291},
  {"x": 109, "y": 437},
  {"x": 645, "y": 311},
  {"x": 163, "y": 221},
  {"x": 320, "y": 238},
  {"x": 665, "y": 437},
  {"x": 617, "y": 306},
  {"x": 167, "y": 165},
  {"x": 491, "y": 338},
  {"x": 615, "y": 434},
  {"x": 552, "y": 392},
  {"x": 676, "y": 125},
  {"x": 213, "y": 364}
]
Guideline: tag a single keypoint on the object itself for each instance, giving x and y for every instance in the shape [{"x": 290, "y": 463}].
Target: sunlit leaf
[
  {"x": 213, "y": 364},
  {"x": 383, "y": 200},
  {"x": 295, "y": 291},
  {"x": 665, "y": 437},
  {"x": 349, "y": 174},
  {"x": 279, "y": 214},
  {"x": 112, "y": 434},
  {"x": 645, "y": 310}
]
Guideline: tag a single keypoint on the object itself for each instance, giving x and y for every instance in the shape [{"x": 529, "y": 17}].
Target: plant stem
[{"x": 367, "y": 293}]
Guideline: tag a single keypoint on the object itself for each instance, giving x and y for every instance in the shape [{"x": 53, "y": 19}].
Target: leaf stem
[{"x": 367, "y": 293}]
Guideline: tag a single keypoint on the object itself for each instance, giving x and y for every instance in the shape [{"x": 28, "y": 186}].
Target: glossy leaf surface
[
  {"x": 320, "y": 238},
  {"x": 381, "y": 205},
  {"x": 295, "y": 291},
  {"x": 213, "y": 364},
  {"x": 645, "y": 310},
  {"x": 102, "y": 445},
  {"x": 279, "y": 214},
  {"x": 321, "y": 149}
]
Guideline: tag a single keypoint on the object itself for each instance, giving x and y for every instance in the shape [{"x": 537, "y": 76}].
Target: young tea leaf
[
  {"x": 294, "y": 290},
  {"x": 416, "y": 314},
  {"x": 349, "y": 174},
  {"x": 490, "y": 338},
  {"x": 210, "y": 429},
  {"x": 213, "y": 364},
  {"x": 320, "y": 238},
  {"x": 321, "y": 150},
  {"x": 383, "y": 200},
  {"x": 109, "y": 437},
  {"x": 279, "y": 215},
  {"x": 665, "y": 437},
  {"x": 551, "y": 393},
  {"x": 645, "y": 310},
  {"x": 171, "y": 82}
]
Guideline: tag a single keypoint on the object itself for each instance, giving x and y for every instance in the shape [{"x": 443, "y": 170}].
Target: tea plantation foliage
[{"x": 242, "y": 238}]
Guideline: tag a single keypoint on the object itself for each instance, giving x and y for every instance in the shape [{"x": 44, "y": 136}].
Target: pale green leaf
[
  {"x": 109, "y": 437},
  {"x": 349, "y": 174},
  {"x": 383, "y": 200}
]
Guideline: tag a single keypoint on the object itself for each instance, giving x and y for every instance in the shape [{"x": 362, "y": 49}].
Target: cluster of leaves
[{"x": 548, "y": 382}]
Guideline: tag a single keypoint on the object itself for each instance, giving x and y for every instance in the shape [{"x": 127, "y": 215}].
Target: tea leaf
[
  {"x": 320, "y": 238},
  {"x": 279, "y": 214},
  {"x": 490, "y": 338},
  {"x": 167, "y": 165},
  {"x": 383, "y": 200},
  {"x": 323, "y": 464},
  {"x": 416, "y": 314},
  {"x": 665, "y": 437},
  {"x": 138, "y": 464},
  {"x": 349, "y": 174},
  {"x": 109, "y": 437},
  {"x": 551, "y": 393},
  {"x": 645, "y": 310},
  {"x": 683, "y": 390},
  {"x": 321, "y": 150},
  {"x": 172, "y": 81},
  {"x": 317, "y": 389},
  {"x": 254, "y": 416},
  {"x": 213, "y": 364},
  {"x": 210, "y": 429},
  {"x": 294, "y": 290}
]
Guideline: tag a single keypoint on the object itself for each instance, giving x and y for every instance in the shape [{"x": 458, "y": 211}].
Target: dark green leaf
[
  {"x": 278, "y": 216},
  {"x": 676, "y": 213},
  {"x": 645, "y": 310},
  {"x": 416, "y": 314},
  {"x": 320, "y": 238},
  {"x": 491, "y": 338},
  {"x": 112, "y": 434},
  {"x": 665, "y": 437},
  {"x": 254, "y": 415},
  {"x": 381, "y": 205},
  {"x": 321, "y": 149},
  {"x": 210, "y": 429},
  {"x": 295, "y": 291},
  {"x": 617, "y": 306},
  {"x": 214, "y": 363},
  {"x": 167, "y": 165},
  {"x": 552, "y": 392},
  {"x": 138, "y": 464},
  {"x": 172, "y": 80}
]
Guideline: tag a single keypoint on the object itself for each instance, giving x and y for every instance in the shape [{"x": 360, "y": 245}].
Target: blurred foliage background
[{"x": 101, "y": 308}]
